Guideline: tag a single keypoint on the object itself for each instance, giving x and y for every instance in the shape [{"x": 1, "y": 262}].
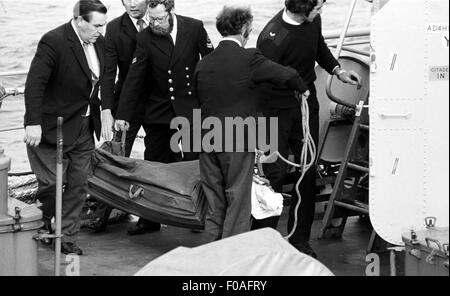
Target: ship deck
[{"x": 114, "y": 253}]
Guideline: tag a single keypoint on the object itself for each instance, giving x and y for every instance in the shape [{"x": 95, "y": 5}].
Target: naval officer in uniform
[{"x": 166, "y": 55}]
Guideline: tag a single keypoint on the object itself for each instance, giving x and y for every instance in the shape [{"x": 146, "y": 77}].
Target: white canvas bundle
[{"x": 265, "y": 202}]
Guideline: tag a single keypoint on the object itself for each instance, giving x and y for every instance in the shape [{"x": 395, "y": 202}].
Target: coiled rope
[{"x": 307, "y": 157}]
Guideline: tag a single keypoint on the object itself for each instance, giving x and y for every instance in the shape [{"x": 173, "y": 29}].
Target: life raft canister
[{"x": 19, "y": 222}]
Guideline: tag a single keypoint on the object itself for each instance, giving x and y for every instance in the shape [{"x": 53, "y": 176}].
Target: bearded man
[{"x": 166, "y": 55}]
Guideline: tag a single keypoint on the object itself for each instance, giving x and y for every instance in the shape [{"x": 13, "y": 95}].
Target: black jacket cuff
[{"x": 297, "y": 83}]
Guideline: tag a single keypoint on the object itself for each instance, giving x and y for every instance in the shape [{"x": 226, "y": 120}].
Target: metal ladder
[{"x": 350, "y": 193}]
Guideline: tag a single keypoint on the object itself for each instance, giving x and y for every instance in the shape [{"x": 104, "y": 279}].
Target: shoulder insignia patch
[{"x": 275, "y": 33}]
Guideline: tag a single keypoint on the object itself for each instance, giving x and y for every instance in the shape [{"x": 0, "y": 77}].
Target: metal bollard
[{"x": 19, "y": 223}]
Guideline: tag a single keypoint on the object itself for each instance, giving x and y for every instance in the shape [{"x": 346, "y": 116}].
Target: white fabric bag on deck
[
  {"x": 258, "y": 253},
  {"x": 266, "y": 202}
]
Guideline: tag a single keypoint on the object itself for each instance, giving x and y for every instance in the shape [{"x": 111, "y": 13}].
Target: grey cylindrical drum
[{"x": 19, "y": 222}]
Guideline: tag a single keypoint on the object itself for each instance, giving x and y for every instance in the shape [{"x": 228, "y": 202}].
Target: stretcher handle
[
  {"x": 122, "y": 142},
  {"x": 135, "y": 192}
]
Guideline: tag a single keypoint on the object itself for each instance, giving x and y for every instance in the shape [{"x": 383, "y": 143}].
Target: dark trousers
[
  {"x": 76, "y": 169},
  {"x": 290, "y": 137},
  {"x": 227, "y": 182},
  {"x": 157, "y": 145}
]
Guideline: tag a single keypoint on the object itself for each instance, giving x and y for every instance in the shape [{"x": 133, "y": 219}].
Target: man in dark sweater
[{"x": 294, "y": 38}]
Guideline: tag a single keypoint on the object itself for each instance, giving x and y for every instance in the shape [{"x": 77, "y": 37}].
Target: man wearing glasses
[{"x": 166, "y": 55}]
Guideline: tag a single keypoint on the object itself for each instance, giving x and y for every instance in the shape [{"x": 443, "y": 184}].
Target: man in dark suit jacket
[
  {"x": 227, "y": 87},
  {"x": 64, "y": 81},
  {"x": 165, "y": 59},
  {"x": 120, "y": 47}
]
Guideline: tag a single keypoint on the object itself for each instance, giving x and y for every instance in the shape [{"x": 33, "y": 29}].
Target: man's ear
[
  {"x": 244, "y": 31},
  {"x": 79, "y": 20}
]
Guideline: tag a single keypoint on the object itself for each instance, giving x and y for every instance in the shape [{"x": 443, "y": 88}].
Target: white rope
[{"x": 309, "y": 150}]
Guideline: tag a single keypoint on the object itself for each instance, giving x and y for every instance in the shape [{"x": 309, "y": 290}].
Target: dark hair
[
  {"x": 303, "y": 7},
  {"x": 85, "y": 8},
  {"x": 231, "y": 20},
  {"x": 168, "y": 4}
]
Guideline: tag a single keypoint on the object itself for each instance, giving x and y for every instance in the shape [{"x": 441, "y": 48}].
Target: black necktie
[{"x": 140, "y": 24}]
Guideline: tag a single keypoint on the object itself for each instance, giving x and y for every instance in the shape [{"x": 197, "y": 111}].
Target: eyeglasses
[{"x": 159, "y": 20}]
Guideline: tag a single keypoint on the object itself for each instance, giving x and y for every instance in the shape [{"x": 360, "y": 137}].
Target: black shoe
[
  {"x": 143, "y": 226},
  {"x": 305, "y": 248},
  {"x": 98, "y": 225},
  {"x": 71, "y": 248}
]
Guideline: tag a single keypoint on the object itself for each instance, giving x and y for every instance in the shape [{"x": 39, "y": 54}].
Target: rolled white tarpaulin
[{"x": 258, "y": 253}]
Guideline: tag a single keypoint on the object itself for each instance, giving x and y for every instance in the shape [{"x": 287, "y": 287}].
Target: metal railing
[
  {"x": 341, "y": 45},
  {"x": 13, "y": 73},
  {"x": 11, "y": 92},
  {"x": 335, "y": 34}
]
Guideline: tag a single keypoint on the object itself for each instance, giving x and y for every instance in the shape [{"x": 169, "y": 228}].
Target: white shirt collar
[
  {"x": 232, "y": 39},
  {"x": 288, "y": 20},
  {"x": 175, "y": 29},
  {"x": 76, "y": 31}
]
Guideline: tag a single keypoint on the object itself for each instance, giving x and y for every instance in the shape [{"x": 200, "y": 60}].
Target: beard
[{"x": 163, "y": 30}]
